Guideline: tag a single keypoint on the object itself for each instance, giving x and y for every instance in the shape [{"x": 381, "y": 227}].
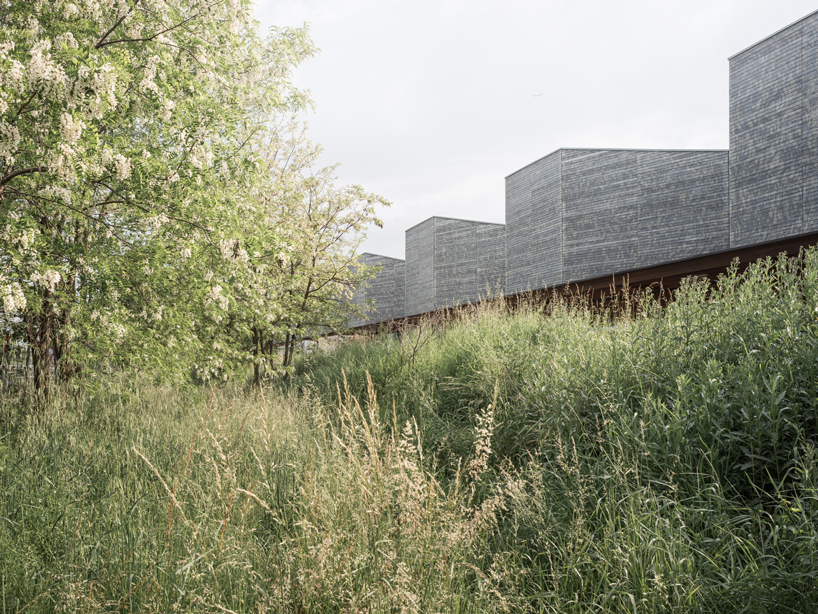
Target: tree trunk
[
  {"x": 256, "y": 343},
  {"x": 287, "y": 350},
  {"x": 39, "y": 340}
]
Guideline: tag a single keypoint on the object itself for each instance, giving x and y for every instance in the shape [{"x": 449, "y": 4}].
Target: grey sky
[{"x": 431, "y": 104}]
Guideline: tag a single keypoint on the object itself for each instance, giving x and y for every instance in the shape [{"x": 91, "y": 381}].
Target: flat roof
[
  {"x": 776, "y": 33},
  {"x": 617, "y": 149},
  {"x": 455, "y": 219},
  {"x": 380, "y": 256}
]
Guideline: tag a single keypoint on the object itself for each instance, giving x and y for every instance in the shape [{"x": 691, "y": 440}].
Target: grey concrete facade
[
  {"x": 534, "y": 225},
  {"x": 385, "y": 291},
  {"x": 774, "y": 136},
  {"x": 451, "y": 262},
  {"x": 582, "y": 213}
]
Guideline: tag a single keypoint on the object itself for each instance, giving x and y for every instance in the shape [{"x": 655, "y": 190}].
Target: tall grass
[
  {"x": 652, "y": 459},
  {"x": 149, "y": 499},
  {"x": 558, "y": 459}
]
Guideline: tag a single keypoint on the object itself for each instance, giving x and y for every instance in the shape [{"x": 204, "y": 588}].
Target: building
[
  {"x": 774, "y": 136},
  {"x": 582, "y": 216},
  {"x": 385, "y": 292},
  {"x": 451, "y": 262},
  {"x": 582, "y": 213}
]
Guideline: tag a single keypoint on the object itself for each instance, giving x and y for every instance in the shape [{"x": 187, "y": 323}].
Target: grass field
[{"x": 639, "y": 460}]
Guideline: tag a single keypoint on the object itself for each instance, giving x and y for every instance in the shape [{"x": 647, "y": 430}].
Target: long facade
[
  {"x": 579, "y": 214},
  {"x": 774, "y": 136}
]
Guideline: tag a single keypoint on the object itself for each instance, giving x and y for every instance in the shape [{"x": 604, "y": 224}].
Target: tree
[
  {"x": 296, "y": 263},
  {"x": 130, "y": 135}
]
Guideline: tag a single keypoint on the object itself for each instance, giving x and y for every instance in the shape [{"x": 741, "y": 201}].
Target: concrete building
[
  {"x": 582, "y": 213},
  {"x": 774, "y": 136},
  {"x": 385, "y": 291},
  {"x": 452, "y": 262}
]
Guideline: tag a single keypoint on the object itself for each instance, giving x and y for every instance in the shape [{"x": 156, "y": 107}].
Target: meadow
[{"x": 574, "y": 457}]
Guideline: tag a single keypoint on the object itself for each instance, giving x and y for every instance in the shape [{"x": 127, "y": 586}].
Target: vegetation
[
  {"x": 636, "y": 459},
  {"x": 165, "y": 235},
  {"x": 159, "y": 205}
]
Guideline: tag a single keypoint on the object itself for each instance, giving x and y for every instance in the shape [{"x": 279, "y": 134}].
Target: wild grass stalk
[{"x": 578, "y": 457}]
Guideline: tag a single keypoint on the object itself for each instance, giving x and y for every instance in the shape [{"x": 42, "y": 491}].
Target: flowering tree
[
  {"x": 130, "y": 133},
  {"x": 304, "y": 273}
]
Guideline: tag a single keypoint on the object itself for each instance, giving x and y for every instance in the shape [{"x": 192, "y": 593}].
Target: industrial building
[
  {"x": 583, "y": 216},
  {"x": 582, "y": 213},
  {"x": 385, "y": 293},
  {"x": 452, "y": 262}
]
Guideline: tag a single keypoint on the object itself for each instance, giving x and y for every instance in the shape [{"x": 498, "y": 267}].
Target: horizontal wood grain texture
[
  {"x": 683, "y": 205},
  {"x": 809, "y": 138},
  {"x": 534, "y": 226},
  {"x": 420, "y": 268},
  {"x": 578, "y": 214},
  {"x": 600, "y": 212}
]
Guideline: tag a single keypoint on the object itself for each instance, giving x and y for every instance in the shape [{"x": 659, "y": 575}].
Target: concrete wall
[
  {"x": 534, "y": 225},
  {"x": 583, "y": 213},
  {"x": 386, "y": 290},
  {"x": 774, "y": 136},
  {"x": 420, "y": 268},
  {"x": 452, "y": 262}
]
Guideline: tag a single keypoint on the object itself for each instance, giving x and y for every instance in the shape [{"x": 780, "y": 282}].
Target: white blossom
[
  {"x": 167, "y": 110},
  {"x": 67, "y": 39},
  {"x": 13, "y": 298},
  {"x": 58, "y": 193},
  {"x": 47, "y": 279},
  {"x": 158, "y": 221},
  {"x": 231, "y": 249},
  {"x": 70, "y": 130},
  {"x": 9, "y": 139},
  {"x": 123, "y": 167},
  {"x": 215, "y": 296},
  {"x": 41, "y": 68},
  {"x": 118, "y": 330}
]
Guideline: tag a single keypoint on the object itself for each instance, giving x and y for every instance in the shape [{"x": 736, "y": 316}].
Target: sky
[{"x": 431, "y": 104}]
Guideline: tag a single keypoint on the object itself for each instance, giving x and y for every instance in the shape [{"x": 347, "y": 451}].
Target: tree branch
[
  {"x": 145, "y": 39},
  {"x": 22, "y": 171},
  {"x": 101, "y": 41}
]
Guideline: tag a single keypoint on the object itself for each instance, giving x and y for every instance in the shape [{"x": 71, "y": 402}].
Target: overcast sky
[{"x": 430, "y": 104}]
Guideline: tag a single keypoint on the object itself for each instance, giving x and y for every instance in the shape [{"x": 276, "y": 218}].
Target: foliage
[
  {"x": 170, "y": 500},
  {"x": 152, "y": 174},
  {"x": 303, "y": 269},
  {"x": 573, "y": 461}
]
